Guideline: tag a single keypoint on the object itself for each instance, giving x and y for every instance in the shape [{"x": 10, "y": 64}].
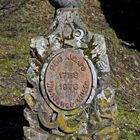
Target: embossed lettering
[
  {"x": 76, "y": 60},
  {"x": 56, "y": 62},
  {"x": 68, "y": 80},
  {"x": 68, "y": 86},
  {"x": 68, "y": 75}
]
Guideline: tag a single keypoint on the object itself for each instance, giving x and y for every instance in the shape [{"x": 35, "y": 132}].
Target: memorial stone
[{"x": 68, "y": 95}]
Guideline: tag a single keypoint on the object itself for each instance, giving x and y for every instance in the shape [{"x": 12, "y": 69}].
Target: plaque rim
[{"x": 92, "y": 73}]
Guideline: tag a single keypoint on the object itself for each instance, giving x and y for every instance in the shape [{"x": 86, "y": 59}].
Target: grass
[{"x": 32, "y": 19}]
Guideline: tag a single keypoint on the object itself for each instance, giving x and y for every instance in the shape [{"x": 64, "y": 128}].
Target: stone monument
[{"x": 68, "y": 95}]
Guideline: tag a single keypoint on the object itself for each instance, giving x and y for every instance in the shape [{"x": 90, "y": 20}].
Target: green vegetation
[{"x": 32, "y": 18}]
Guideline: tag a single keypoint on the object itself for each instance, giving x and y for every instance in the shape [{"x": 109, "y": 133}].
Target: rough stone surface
[{"x": 58, "y": 66}]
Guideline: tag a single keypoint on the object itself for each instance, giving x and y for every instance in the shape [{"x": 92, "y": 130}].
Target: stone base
[
  {"x": 68, "y": 93},
  {"x": 107, "y": 133},
  {"x": 35, "y": 134}
]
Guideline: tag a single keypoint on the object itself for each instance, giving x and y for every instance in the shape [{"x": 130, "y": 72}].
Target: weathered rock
[{"x": 68, "y": 93}]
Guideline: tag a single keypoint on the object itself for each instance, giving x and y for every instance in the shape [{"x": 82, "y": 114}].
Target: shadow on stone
[
  {"x": 123, "y": 16},
  {"x": 12, "y": 122}
]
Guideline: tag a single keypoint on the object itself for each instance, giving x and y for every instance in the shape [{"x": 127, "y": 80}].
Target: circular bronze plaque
[{"x": 68, "y": 80}]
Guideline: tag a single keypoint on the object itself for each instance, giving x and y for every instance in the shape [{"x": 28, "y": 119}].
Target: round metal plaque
[{"x": 68, "y": 80}]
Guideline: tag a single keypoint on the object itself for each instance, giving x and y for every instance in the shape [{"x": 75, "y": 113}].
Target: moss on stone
[{"x": 33, "y": 18}]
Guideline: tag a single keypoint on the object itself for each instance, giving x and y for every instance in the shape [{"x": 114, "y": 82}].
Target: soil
[{"x": 26, "y": 19}]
